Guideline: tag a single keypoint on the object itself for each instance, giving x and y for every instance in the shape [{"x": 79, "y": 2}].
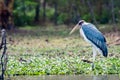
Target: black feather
[{"x": 96, "y": 37}]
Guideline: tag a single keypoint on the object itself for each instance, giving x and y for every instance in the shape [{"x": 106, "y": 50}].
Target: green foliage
[
  {"x": 62, "y": 17},
  {"x": 67, "y": 11},
  {"x": 22, "y": 19},
  {"x": 50, "y": 13},
  {"x": 47, "y": 51},
  {"x": 86, "y": 17},
  {"x": 24, "y": 12},
  {"x": 44, "y": 65},
  {"x": 105, "y": 17}
]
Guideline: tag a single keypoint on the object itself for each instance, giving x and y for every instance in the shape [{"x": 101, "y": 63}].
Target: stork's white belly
[{"x": 85, "y": 38}]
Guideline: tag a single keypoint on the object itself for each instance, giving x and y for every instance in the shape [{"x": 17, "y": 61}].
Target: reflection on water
[{"x": 67, "y": 77}]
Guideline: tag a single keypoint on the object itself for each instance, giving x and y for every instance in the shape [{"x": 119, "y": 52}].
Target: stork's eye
[{"x": 80, "y": 23}]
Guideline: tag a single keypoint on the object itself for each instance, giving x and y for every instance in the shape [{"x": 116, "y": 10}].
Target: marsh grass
[{"x": 52, "y": 51}]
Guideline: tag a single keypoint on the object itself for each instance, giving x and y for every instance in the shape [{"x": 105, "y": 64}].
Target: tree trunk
[
  {"x": 6, "y": 10},
  {"x": 99, "y": 7},
  {"x": 76, "y": 14},
  {"x": 7, "y": 2},
  {"x": 24, "y": 11},
  {"x": 55, "y": 13},
  {"x": 112, "y": 11},
  {"x": 91, "y": 11},
  {"x": 44, "y": 10},
  {"x": 10, "y": 7},
  {"x": 113, "y": 15},
  {"x": 37, "y": 11}
]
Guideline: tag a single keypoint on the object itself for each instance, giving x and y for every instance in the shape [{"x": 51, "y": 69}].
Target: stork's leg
[{"x": 94, "y": 54}]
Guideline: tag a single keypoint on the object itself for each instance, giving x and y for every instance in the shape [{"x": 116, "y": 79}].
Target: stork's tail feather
[
  {"x": 105, "y": 54},
  {"x": 105, "y": 50}
]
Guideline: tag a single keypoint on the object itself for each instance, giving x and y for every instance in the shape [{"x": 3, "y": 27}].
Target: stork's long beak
[{"x": 75, "y": 28}]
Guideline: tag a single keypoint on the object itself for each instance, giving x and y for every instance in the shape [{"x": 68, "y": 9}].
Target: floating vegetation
[{"x": 54, "y": 52}]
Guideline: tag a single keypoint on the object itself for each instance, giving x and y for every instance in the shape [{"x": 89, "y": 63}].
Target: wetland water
[{"x": 66, "y": 77}]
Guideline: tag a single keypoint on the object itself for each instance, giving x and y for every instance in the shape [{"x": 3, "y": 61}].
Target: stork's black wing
[{"x": 96, "y": 37}]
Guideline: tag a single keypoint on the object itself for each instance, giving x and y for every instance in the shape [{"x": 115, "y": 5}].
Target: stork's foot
[{"x": 93, "y": 66}]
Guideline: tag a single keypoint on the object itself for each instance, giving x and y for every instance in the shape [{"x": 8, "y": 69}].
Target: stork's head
[
  {"x": 81, "y": 22},
  {"x": 78, "y": 26}
]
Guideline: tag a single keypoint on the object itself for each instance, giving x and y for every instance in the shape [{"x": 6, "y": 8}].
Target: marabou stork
[{"x": 93, "y": 36}]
